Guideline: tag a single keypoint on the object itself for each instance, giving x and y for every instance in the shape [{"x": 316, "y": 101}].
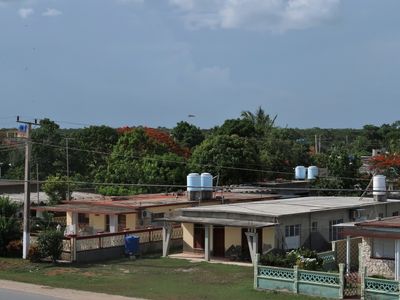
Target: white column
[
  {"x": 348, "y": 253},
  {"x": 397, "y": 260},
  {"x": 252, "y": 240},
  {"x": 167, "y": 233},
  {"x": 75, "y": 222},
  {"x": 207, "y": 242},
  {"x": 113, "y": 223}
]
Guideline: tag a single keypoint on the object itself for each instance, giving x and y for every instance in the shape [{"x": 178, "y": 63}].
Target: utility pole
[
  {"x": 27, "y": 127},
  {"x": 316, "y": 144},
  {"x": 37, "y": 184},
  {"x": 66, "y": 150}
]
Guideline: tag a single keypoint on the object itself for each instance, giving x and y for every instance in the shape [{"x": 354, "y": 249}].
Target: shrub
[
  {"x": 34, "y": 253},
  {"x": 303, "y": 258},
  {"x": 56, "y": 188},
  {"x": 14, "y": 248},
  {"x": 50, "y": 244},
  {"x": 10, "y": 227}
]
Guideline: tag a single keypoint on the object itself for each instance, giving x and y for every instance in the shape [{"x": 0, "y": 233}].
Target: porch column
[
  {"x": 166, "y": 237},
  {"x": 113, "y": 223},
  {"x": 207, "y": 244},
  {"x": 397, "y": 260},
  {"x": 252, "y": 240},
  {"x": 74, "y": 222},
  {"x": 348, "y": 253}
]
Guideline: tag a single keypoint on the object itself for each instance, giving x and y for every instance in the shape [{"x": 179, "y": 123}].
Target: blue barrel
[{"x": 131, "y": 245}]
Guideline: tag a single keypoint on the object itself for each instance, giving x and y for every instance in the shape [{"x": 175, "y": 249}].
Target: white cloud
[
  {"x": 25, "y": 12},
  {"x": 268, "y": 15},
  {"x": 51, "y": 12}
]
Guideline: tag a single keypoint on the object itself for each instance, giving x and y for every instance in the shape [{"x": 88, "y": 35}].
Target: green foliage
[
  {"x": 239, "y": 127},
  {"x": 303, "y": 258},
  {"x": 14, "y": 248},
  {"x": 50, "y": 244},
  {"x": 262, "y": 122},
  {"x": 10, "y": 226},
  {"x": 223, "y": 154},
  {"x": 56, "y": 188},
  {"x": 138, "y": 159},
  {"x": 187, "y": 134}
]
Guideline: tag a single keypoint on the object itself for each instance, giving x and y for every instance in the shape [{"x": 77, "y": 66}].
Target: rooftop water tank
[
  {"x": 379, "y": 187},
  {"x": 193, "y": 182},
  {"x": 194, "y": 186},
  {"x": 312, "y": 172},
  {"x": 300, "y": 173},
  {"x": 206, "y": 186}
]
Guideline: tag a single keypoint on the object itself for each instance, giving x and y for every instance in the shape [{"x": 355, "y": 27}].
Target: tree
[
  {"x": 45, "y": 151},
  {"x": 50, "y": 244},
  {"x": 56, "y": 188},
  {"x": 262, "y": 122},
  {"x": 187, "y": 134},
  {"x": 138, "y": 158},
  {"x": 239, "y": 127},
  {"x": 227, "y": 156},
  {"x": 9, "y": 223}
]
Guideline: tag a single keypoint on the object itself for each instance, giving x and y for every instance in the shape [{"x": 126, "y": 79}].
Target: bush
[
  {"x": 303, "y": 258},
  {"x": 10, "y": 226},
  {"x": 34, "y": 253},
  {"x": 56, "y": 188},
  {"x": 14, "y": 248},
  {"x": 50, "y": 244}
]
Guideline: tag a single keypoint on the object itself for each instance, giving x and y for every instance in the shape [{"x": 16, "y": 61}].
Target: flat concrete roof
[
  {"x": 282, "y": 207},
  {"x": 86, "y": 208},
  {"x": 221, "y": 222}
]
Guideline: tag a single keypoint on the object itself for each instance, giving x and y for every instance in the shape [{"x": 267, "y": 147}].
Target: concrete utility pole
[
  {"x": 66, "y": 150},
  {"x": 27, "y": 187}
]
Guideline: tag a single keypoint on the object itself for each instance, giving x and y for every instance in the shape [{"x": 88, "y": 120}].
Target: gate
[{"x": 352, "y": 285}]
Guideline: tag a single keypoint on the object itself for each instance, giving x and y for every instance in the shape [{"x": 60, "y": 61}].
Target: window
[
  {"x": 314, "y": 226},
  {"x": 83, "y": 219},
  {"x": 380, "y": 215},
  {"x": 156, "y": 216},
  {"x": 292, "y": 230},
  {"x": 334, "y": 232},
  {"x": 383, "y": 248},
  {"x": 121, "y": 222},
  {"x": 395, "y": 213}
]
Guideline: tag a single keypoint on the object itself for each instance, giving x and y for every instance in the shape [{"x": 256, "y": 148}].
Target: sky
[{"x": 314, "y": 63}]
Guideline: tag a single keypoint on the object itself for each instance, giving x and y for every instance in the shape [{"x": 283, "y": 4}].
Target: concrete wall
[
  {"x": 131, "y": 221},
  {"x": 188, "y": 235},
  {"x": 98, "y": 222},
  {"x": 375, "y": 266},
  {"x": 233, "y": 236},
  {"x": 268, "y": 238}
]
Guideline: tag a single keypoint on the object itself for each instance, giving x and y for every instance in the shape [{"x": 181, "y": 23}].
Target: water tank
[
  {"x": 379, "y": 187},
  {"x": 300, "y": 173},
  {"x": 194, "y": 186},
  {"x": 131, "y": 245},
  {"x": 206, "y": 186},
  {"x": 312, "y": 172}
]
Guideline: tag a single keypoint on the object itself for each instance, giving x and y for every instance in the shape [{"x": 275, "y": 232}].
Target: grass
[{"x": 150, "y": 278}]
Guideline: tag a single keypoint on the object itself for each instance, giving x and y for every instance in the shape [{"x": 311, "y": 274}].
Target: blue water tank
[
  {"x": 300, "y": 173},
  {"x": 312, "y": 172},
  {"x": 193, "y": 182},
  {"x": 131, "y": 245},
  {"x": 206, "y": 182}
]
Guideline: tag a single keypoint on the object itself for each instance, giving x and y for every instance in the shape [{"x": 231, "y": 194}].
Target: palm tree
[{"x": 262, "y": 121}]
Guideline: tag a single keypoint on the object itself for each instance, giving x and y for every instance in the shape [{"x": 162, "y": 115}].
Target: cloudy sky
[{"x": 314, "y": 63}]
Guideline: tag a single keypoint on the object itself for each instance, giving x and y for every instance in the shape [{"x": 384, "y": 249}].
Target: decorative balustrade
[
  {"x": 272, "y": 272},
  {"x": 87, "y": 244},
  {"x": 381, "y": 285},
  {"x": 318, "y": 277}
]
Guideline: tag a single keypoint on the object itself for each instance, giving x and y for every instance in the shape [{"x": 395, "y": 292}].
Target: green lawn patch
[{"x": 151, "y": 278}]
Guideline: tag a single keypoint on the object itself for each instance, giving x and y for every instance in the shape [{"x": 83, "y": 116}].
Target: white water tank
[
  {"x": 379, "y": 187},
  {"x": 206, "y": 186},
  {"x": 312, "y": 172},
  {"x": 193, "y": 181},
  {"x": 300, "y": 173}
]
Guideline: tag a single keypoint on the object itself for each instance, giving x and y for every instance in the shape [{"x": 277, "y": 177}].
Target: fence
[
  {"x": 111, "y": 245},
  {"x": 339, "y": 247},
  {"x": 380, "y": 289},
  {"x": 323, "y": 284}
]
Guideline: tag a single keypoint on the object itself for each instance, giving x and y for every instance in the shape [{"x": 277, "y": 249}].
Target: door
[
  {"x": 198, "y": 236},
  {"x": 219, "y": 241},
  {"x": 245, "y": 244}
]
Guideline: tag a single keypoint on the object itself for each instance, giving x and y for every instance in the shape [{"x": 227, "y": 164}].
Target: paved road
[
  {"x": 11, "y": 290},
  {"x": 18, "y": 295}
]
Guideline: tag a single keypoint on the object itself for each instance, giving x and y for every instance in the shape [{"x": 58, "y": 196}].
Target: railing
[
  {"x": 328, "y": 260},
  {"x": 376, "y": 288},
  {"x": 323, "y": 284},
  {"x": 108, "y": 240}
]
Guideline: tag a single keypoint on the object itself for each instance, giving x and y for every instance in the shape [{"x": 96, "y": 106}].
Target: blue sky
[{"x": 314, "y": 63}]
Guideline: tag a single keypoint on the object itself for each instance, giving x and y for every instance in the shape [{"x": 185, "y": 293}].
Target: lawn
[{"x": 151, "y": 278}]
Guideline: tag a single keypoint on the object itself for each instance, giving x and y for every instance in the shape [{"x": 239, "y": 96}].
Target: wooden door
[
  {"x": 219, "y": 241},
  {"x": 198, "y": 236}
]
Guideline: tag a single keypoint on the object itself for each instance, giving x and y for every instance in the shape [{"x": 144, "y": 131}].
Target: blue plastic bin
[{"x": 131, "y": 245}]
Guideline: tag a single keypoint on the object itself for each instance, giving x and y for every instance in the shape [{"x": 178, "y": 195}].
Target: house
[
  {"x": 379, "y": 253},
  {"x": 114, "y": 214},
  {"x": 263, "y": 225}
]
